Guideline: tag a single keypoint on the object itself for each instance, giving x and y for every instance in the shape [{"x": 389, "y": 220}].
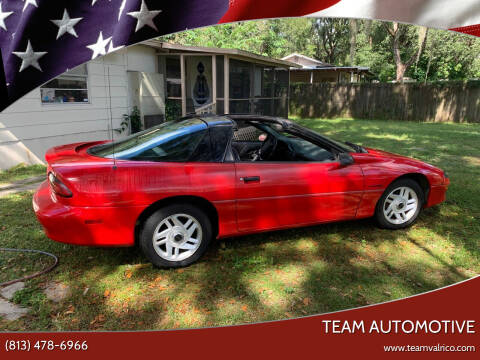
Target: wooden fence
[{"x": 440, "y": 102}]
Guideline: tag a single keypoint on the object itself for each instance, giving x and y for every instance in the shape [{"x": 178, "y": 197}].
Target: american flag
[{"x": 40, "y": 39}]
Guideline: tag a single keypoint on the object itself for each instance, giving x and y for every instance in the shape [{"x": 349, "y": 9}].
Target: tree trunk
[
  {"x": 353, "y": 40},
  {"x": 397, "y": 44},
  {"x": 368, "y": 31},
  {"x": 401, "y": 69},
  {"x": 428, "y": 68}
]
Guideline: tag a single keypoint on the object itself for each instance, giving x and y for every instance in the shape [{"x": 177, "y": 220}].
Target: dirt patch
[{"x": 56, "y": 291}]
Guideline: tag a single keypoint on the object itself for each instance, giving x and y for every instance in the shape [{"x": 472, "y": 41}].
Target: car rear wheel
[
  {"x": 400, "y": 204},
  {"x": 176, "y": 235}
]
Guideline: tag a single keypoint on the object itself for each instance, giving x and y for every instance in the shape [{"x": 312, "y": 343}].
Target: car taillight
[{"x": 58, "y": 187}]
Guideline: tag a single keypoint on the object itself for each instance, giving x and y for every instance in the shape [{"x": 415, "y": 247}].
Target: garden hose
[{"x": 44, "y": 271}]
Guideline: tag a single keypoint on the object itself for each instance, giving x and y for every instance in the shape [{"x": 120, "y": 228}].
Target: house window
[
  {"x": 71, "y": 87},
  {"x": 173, "y": 78}
]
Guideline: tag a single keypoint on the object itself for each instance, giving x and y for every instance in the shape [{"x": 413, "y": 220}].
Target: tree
[
  {"x": 331, "y": 38},
  {"x": 449, "y": 56},
  {"x": 274, "y": 38},
  {"x": 402, "y": 42},
  {"x": 391, "y": 51},
  {"x": 298, "y": 33}
]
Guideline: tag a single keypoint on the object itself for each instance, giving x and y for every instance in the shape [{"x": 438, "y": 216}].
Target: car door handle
[{"x": 249, "y": 179}]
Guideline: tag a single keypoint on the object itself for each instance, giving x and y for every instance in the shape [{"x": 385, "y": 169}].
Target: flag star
[
  {"x": 122, "y": 7},
  {"x": 99, "y": 47},
  {"x": 66, "y": 24},
  {"x": 29, "y": 57},
  {"x": 94, "y": 1},
  {"x": 3, "y": 16},
  {"x": 144, "y": 17},
  {"x": 111, "y": 48},
  {"x": 29, "y": 2}
]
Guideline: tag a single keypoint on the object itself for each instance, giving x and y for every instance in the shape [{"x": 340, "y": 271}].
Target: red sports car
[{"x": 174, "y": 187}]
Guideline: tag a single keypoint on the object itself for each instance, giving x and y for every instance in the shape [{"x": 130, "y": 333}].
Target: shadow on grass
[{"x": 260, "y": 277}]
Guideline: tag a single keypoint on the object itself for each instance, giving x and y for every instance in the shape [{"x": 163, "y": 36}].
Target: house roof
[
  {"x": 322, "y": 66},
  {"x": 317, "y": 63},
  {"x": 337, "y": 68},
  {"x": 165, "y": 48}
]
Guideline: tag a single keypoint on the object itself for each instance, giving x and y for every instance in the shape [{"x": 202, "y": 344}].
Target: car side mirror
[{"x": 345, "y": 159}]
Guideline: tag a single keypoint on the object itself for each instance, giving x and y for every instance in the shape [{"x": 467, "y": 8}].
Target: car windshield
[
  {"x": 340, "y": 144},
  {"x": 276, "y": 129},
  {"x": 170, "y": 141}
]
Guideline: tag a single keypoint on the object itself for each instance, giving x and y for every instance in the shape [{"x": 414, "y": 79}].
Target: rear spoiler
[{"x": 69, "y": 150}]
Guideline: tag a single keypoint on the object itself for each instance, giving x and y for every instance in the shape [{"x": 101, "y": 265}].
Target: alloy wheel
[
  {"x": 400, "y": 205},
  {"x": 177, "y": 237}
]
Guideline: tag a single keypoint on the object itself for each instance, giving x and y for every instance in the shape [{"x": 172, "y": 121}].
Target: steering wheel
[{"x": 268, "y": 148}]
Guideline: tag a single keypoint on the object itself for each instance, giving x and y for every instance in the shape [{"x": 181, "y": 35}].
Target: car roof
[
  {"x": 285, "y": 123},
  {"x": 229, "y": 119},
  {"x": 209, "y": 119},
  {"x": 215, "y": 120}
]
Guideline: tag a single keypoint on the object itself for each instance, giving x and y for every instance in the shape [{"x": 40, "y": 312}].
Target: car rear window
[{"x": 170, "y": 141}]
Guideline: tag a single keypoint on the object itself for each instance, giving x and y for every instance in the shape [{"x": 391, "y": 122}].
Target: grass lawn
[
  {"x": 20, "y": 172},
  {"x": 273, "y": 275}
]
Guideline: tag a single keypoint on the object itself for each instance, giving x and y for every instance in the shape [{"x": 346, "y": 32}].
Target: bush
[
  {"x": 133, "y": 120},
  {"x": 173, "y": 110}
]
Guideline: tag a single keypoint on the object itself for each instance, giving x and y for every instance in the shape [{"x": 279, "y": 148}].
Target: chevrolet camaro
[{"x": 174, "y": 187}]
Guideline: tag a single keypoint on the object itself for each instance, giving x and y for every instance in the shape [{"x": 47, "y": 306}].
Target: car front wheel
[
  {"x": 176, "y": 235},
  {"x": 400, "y": 204}
]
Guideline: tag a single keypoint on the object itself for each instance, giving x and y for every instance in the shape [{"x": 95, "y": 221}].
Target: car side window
[
  {"x": 220, "y": 137},
  {"x": 177, "y": 149},
  {"x": 213, "y": 146},
  {"x": 203, "y": 151}
]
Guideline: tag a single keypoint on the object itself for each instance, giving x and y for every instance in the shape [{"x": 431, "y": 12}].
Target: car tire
[
  {"x": 175, "y": 236},
  {"x": 400, "y": 204}
]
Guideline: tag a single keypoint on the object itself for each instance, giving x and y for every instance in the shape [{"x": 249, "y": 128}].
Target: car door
[{"x": 273, "y": 195}]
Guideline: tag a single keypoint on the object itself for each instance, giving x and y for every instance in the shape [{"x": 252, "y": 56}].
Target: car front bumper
[{"x": 438, "y": 193}]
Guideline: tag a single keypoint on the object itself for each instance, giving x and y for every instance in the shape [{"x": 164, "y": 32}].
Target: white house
[
  {"x": 77, "y": 106},
  {"x": 311, "y": 71},
  {"x": 88, "y": 103}
]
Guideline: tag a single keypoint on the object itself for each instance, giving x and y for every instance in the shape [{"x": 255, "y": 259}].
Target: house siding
[{"x": 28, "y": 128}]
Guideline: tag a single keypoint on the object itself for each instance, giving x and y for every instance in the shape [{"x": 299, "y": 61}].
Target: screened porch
[{"x": 222, "y": 81}]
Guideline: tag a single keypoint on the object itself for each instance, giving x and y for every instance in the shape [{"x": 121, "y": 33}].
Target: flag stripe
[
  {"x": 257, "y": 9},
  {"x": 444, "y": 14},
  {"x": 470, "y": 30}
]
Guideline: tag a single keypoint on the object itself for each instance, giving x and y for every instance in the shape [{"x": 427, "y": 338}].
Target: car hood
[{"x": 384, "y": 155}]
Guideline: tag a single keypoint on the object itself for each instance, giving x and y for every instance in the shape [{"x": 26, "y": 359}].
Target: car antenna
[{"x": 111, "y": 116}]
